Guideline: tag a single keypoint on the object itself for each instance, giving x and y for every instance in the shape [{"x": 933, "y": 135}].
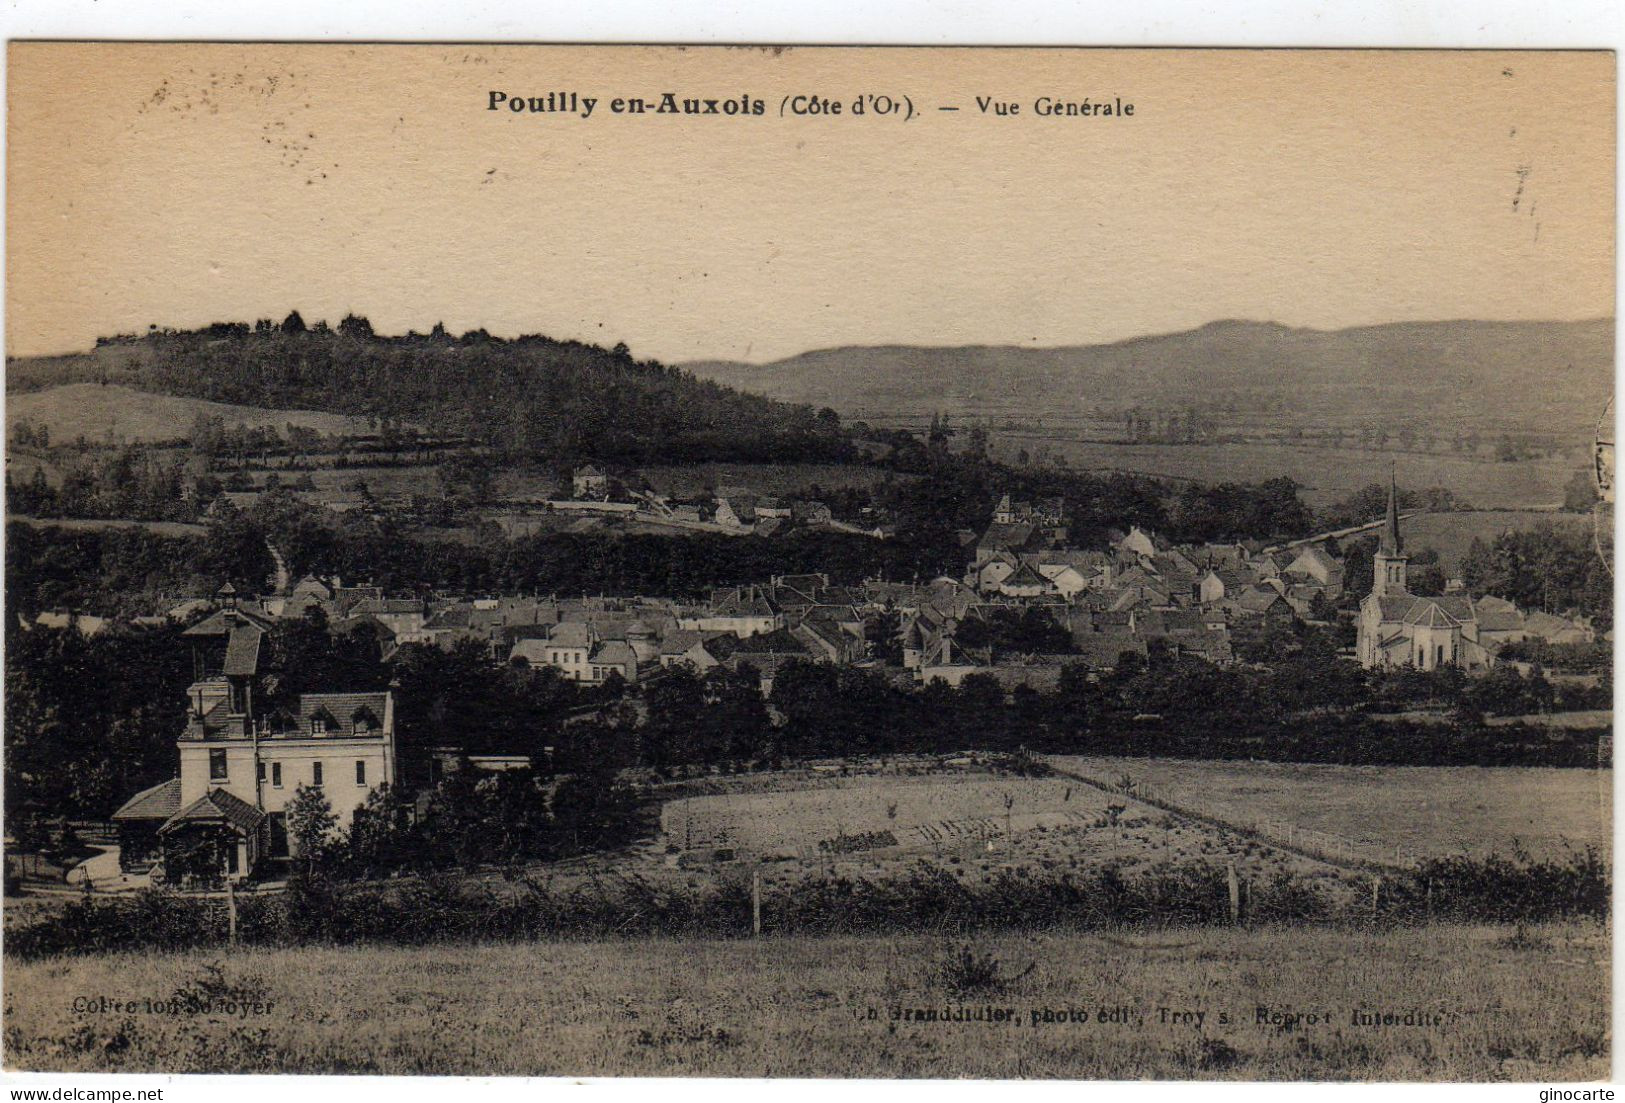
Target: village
[{"x": 1028, "y": 609}]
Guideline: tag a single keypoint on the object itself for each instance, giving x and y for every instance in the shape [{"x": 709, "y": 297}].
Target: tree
[
  {"x": 293, "y": 323},
  {"x": 380, "y": 838},
  {"x": 311, "y": 824},
  {"x": 355, "y": 326}
]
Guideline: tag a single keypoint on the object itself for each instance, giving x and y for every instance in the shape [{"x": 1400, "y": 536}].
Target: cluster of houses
[{"x": 246, "y": 750}]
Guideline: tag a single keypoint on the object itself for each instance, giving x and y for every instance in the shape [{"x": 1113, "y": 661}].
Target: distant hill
[
  {"x": 93, "y": 411},
  {"x": 1465, "y": 375},
  {"x": 529, "y": 397}
]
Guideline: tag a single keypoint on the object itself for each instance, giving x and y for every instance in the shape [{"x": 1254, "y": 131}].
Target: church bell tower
[{"x": 1388, "y": 565}]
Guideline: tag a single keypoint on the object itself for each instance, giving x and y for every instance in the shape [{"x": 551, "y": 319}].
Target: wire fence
[{"x": 1322, "y": 845}]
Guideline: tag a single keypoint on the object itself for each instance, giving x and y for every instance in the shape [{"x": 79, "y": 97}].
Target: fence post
[
  {"x": 1235, "y": 893},
  {"x": 231, "y": 913},
  {"x": 1376, "y": 892},
  {"x": 756, "y": 903}
]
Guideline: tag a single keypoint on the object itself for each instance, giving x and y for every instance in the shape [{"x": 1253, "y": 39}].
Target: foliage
[
  {"x": 562, "y": 399},
  {"x": 311, "y": 825},
  {"x": 1007, "y": 630},
  {"x": 439, "y": 909},
  {"x": 1549, "y": 568}
]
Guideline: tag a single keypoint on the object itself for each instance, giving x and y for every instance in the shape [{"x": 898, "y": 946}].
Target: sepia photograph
[{"x": 809, "y": 562}]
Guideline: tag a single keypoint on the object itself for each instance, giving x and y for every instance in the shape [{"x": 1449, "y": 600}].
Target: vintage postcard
[{"x": 809, "y": 562}]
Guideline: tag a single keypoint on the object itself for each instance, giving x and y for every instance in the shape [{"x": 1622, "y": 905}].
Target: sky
[{"x": 182, "y": 184}]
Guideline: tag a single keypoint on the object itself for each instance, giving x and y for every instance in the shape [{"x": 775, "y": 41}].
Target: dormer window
[{"x": 318, "y": 726}]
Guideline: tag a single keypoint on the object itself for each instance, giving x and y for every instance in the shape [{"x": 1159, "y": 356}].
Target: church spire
[{"x": 1389, "y": 543}]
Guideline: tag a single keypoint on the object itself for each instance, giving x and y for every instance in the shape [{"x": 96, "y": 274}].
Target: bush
[{"x": 445, "y": 908}]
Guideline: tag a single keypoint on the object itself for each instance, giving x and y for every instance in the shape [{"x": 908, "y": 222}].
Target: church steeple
[
  {"x": 1389, "y": 544},
  {"x": 1388, "y": 565}
]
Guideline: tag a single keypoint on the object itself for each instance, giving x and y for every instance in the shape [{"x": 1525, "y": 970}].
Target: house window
[
  {"x": 361, "y": 725},
  {"x": 259, "y": 772},
  {"x": 316, "y": 773},
  {"x": 217, "y": 765},
  {"x": 360, "y": 772},
  {"x": 318, "y": 726},
  {"x": 276, "y": 775}
]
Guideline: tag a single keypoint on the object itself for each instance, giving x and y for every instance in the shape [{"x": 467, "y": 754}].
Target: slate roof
[
  {"x": 1396, "y": 607},
  {"x": 778, "y": 641},
  {"x": 386, "y": 605},
  {"x": 1012, "y": 536},
  {"x": 571, "y": 634},
  {"x": 453, "y": 616},
  {"x": 1081, "y": 561},
  {"x": 532, "y": 651},
  {"x": 1182, "y": 620},
  {"x": 1429, "y": 615},
  {"x": 341, "y": 706},
  {"x": 243, "y": 650},
  {"x": 218, "y": 806},
  {"x": 222, "y": 622},
  {"x": 1498, "y": 620},
  {"x": 1258, "y": 600},
  {"x": 314, "y": 587},
  {"x": 617, "y": 652},
  {"x": 680, "y": 641},
  {"x": 158, "y": 803},
  {"x": 746, "y": 602},
  {"x": 1547, "y": 625},
  {"x": 1024, "y": 575}
]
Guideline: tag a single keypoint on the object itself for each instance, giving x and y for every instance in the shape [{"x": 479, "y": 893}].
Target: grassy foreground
[{"x": 1494, "y": 1003}]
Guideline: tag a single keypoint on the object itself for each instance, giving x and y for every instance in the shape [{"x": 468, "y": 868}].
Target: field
[
  {"x": 1425, "y": 810},
  {"x": 98, "y": 413},
  {"x": 688, "y": 480},
  {"x": 1451, "y": 534},
  {"x": 1496, "y": 1007},
  {"x": 1327, "y": 474},
  {"x": 70, "y": 524},
  {"x": 884, "y": 825}
]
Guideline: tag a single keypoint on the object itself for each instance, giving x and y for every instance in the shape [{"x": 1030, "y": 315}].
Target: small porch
[{"x": 216, "y": 838}]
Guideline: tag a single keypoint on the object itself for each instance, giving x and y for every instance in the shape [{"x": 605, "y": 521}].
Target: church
[{"x": 1399, "y": 628}]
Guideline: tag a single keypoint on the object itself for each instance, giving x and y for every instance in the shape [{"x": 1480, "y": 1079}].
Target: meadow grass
[
  {"x": 1431, "y": 811},
  {"x": 1523, "y": 1004},
  {"x": 1325, "y": 475}
]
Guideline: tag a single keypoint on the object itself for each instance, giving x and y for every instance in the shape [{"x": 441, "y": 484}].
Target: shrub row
[{"x": 446, "y": 908}]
